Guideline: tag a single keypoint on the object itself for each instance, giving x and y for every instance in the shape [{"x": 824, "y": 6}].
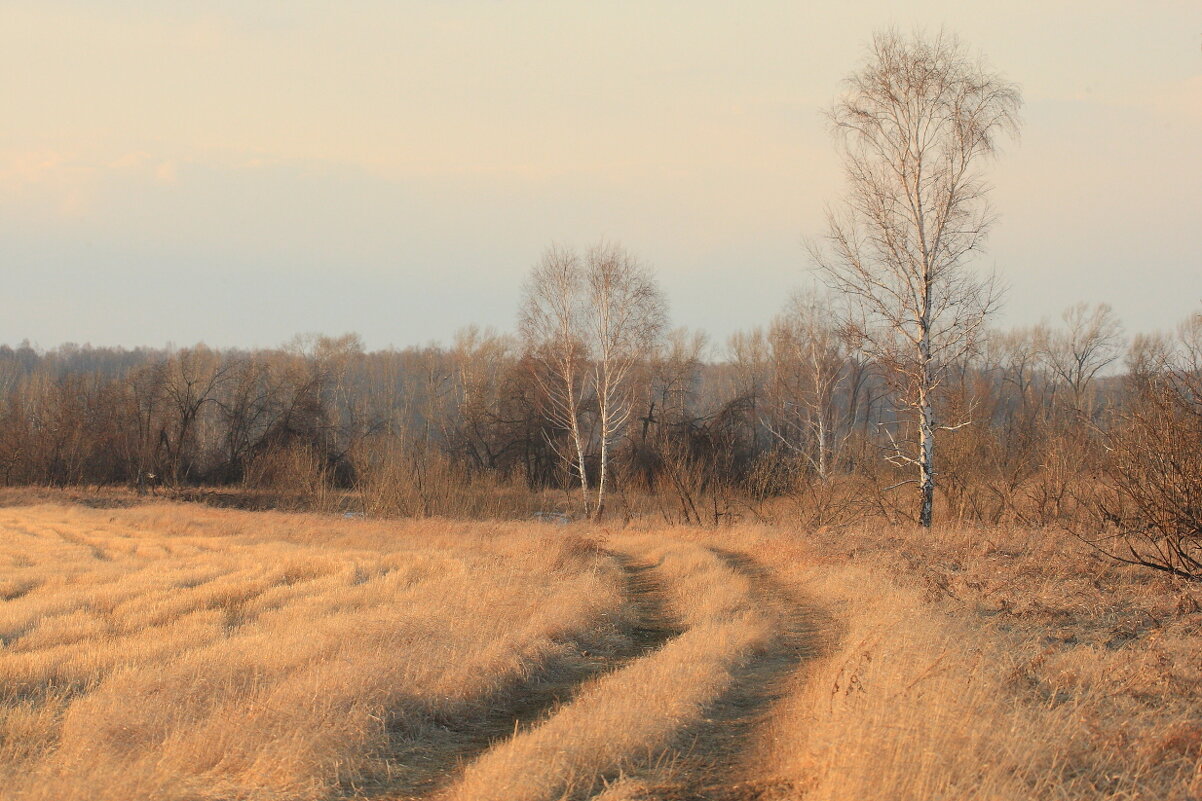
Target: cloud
[
  {"x": 45, "y": 182},
  {"x": 30, "y": 167},
  {"x": 48, "y": 184},
  {"x": 165, "y": 173}
]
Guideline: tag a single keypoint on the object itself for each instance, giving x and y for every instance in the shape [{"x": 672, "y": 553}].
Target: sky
[{"x": 240, "y": 171}]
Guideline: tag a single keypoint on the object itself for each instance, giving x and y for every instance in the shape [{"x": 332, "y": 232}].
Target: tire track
[
  {"x": 432, "y": 764},
  {"x": 710, "y": 761}
]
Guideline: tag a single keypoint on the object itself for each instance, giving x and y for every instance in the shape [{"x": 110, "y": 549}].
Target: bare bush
[{"x": 1151, "y": 512}]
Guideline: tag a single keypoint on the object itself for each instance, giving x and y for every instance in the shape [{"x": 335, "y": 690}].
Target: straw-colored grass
[
  {"x": 171, "y": 651},
  {"x": 621, "y": 719},
  {"x": 183, "y": 652},
  {"x": 986, "y": 664}
]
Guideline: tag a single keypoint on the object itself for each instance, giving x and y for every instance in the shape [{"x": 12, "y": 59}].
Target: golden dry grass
[
  {"x": 621, "y": 718},
  {"x": 184, "y": 652},
  {"x": 987, "y": 663},
  {"x": 175, "y": 651}
]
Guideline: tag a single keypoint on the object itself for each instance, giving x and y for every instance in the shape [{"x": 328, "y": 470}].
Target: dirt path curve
[
  {"x": 678, "y": 715},
  {"x": 430, "y": 766},
  {"x": 714, "y": 760}
]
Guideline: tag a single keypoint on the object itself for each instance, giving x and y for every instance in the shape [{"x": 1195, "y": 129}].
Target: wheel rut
[
  {"x": 431, "y": 765},
  {"x": 710, "y": 760}
]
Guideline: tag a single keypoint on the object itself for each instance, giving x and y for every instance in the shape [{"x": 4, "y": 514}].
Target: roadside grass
[{"x": 990, "y": 663}]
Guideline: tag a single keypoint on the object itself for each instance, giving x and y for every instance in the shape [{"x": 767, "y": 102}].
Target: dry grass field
[{"x": 176, "y": 651}]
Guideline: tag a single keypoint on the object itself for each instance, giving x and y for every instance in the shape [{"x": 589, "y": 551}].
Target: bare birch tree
[
  {"x": 808, "y": 365},
  {"x": 587, "y": 323},
  {"x": 626, "y": 315},
  {"x": 913, "y": 126},
  {"x": 551, "y": 323}
]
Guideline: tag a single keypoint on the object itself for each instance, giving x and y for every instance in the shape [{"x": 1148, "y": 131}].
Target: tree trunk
[
  {"x": 600, "y": 507},
  {"x": 606, "y": 411},
  {"x": 926, "y": 466},
  {"x": 823, "y": 468},
  {"x": 926, "y": 427},
  {"x": 576, "y": 440}
]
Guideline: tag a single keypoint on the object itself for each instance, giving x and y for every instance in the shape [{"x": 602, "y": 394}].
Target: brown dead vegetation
[{"x": 1000, "y": 663}]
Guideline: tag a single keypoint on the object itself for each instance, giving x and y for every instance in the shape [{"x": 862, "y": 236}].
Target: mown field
[{"x": 177, "y": 651}]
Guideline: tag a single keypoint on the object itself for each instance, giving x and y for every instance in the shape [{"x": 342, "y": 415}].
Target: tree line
[{"x": 792, "y": 406}]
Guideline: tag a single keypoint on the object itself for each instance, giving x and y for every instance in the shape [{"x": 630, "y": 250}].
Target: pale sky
[{"x": 236, "y": 172}]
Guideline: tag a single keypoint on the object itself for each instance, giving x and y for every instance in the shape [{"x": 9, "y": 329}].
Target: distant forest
[{"x": 793, "y": 408}]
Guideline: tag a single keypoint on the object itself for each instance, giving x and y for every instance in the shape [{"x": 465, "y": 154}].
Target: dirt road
[{"x": 677, "y": 712}]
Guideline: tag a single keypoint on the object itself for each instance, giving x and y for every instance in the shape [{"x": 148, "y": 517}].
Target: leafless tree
[
  {"x": 913, "y": 127},
  {"x": 1091, "y": 340},
  {"x": 483, "y": 363},
  {"x": 1189, "y": 335},
  {"x": 551, "y": 322},
  {"x": 750, "y": 357},
  {"x": 1018, "y": 359},
  {"x": 625, "y": 316},
  {"x": 675, "y": 374},
  {"x": 587, "y": 323},
  {"x": 191, "y": 381},
  {"x": 808, "y": 366}
]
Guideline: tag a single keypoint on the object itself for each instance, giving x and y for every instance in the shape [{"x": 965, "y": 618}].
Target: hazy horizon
[{"x": 240, "y": 173}]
